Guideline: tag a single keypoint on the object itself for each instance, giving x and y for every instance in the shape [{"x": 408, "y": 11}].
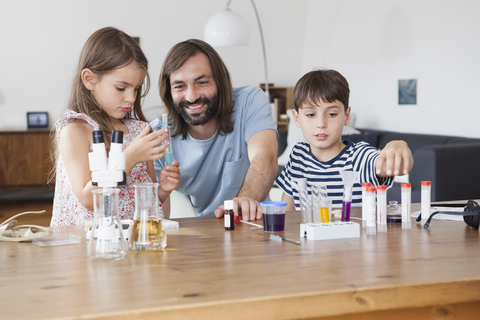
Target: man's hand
[
  {"x": 249, "y": 208},
  {"x": 394, "y": 160}
]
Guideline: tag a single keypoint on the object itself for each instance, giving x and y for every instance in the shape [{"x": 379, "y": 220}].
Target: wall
[
  {"x": 374, "y": 43},
  {"x": 42, "y": 40}
]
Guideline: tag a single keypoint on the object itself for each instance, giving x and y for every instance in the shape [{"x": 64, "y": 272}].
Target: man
[{"x": 224, "y": 138}]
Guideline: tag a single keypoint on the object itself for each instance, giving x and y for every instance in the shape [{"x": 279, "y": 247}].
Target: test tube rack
[{"x": 328, "y": 231}]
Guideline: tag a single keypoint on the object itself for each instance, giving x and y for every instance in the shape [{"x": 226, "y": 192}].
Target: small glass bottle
[
  {"x": 426, "y": 197},
  {"x": 382, "y": 208},
  {"x": 370, "y": 210},
  {"x": 406, "y": 205},
  {"x": 228, "y": 216},
  {"x": 394, "y": 212},
  {"x": 364, "y": 210}
]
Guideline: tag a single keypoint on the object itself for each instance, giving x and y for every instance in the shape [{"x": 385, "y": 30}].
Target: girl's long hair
[{"x": 105, "y": 50}]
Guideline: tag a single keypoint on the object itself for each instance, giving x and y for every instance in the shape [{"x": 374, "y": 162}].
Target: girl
[{"x": 106, "y": 95}]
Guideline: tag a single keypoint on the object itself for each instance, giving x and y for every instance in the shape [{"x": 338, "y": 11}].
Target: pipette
[
  {"x": 238, "y": 220},
  {"x": 168, "y": 150}
]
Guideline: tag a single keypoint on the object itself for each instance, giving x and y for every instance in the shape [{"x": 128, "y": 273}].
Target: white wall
[
  {"x": 374, "y": 43},
  {"x": 42, "y": 40}
]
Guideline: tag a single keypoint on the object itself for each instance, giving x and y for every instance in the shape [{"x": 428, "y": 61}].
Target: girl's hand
[
  {"x": 169, "y": 178},
  {"x": 146, "y": 147}
]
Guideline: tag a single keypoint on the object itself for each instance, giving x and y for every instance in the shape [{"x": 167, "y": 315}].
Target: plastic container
[
  {"x": 273, "y": 215},
  {"x": 406, "y": 205},
  {"x": 382, "y": 208},
  {"x": 426, "y": 197},
  {"x": 365, "y": 185},
  {"x": 370, "y": 210}
]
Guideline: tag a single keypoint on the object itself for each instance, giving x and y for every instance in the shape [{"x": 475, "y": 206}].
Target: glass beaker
[
  {"x": 147, "y": 231},
  {"x": 106, "y": 240}
]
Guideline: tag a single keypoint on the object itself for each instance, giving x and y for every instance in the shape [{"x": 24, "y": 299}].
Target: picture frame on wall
[
  {"x": 37, "y": 120},
  {"x": 407, "y": 91}
]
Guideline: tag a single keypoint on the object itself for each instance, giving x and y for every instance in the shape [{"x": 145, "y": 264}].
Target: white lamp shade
[{"x": 227, "y": 28}]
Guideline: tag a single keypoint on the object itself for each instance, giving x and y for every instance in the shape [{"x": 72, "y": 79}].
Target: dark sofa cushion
[{"x": 369, "y": 137}]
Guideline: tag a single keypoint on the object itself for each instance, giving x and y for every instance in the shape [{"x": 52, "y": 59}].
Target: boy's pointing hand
[{"x": 394, "y": 160}]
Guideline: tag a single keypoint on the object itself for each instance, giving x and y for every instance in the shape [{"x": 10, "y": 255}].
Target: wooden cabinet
[
  {"x": 24, "y": 158},
  {"x": 282, "y": 99}
]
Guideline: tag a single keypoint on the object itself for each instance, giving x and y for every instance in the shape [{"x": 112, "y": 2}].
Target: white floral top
[{"x": 67, "y": 209}]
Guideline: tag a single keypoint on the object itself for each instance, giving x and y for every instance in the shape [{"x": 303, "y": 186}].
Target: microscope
[{"x": 108, "y": 173}]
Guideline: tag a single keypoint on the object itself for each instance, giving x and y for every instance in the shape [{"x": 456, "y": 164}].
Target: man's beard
[{"x": 211, "y": 108}]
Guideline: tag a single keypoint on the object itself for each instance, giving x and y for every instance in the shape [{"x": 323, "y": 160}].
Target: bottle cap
[
  {"x": 228, "y": 204},
  {"x": 426, "y": 183},
  {"x": 366, "y": 184},
  {"x": 381, "y": 187},
  {"x": 406, "y": 185},
  {"x": 371, "y": 189}
]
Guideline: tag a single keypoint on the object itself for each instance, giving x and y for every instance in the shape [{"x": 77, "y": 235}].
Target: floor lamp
[{"x": 228, "y": 28}]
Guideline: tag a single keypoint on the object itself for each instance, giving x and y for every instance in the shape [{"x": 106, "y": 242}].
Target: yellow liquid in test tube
[{"x": 324, "y": 215}]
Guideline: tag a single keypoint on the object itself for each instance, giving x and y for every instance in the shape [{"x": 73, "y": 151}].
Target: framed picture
[
  {"x": 37, "y": 119},
  {"x": 407, "y": 91}
]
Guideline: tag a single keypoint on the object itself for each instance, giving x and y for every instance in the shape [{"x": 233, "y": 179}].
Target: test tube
[
  {"x": 305, "y": 201},
  {"x": 406, "y": 205},
  {"x": 364, "y": 194},
  {"x": 382, "y": 208},
  {"x": 425, "y": 198},
  {"x": 325, "y": 207},
  {"x": 369, "y": 213},
  {"x": 168, "y": 150},
  {"x": 347, "y": 203}
]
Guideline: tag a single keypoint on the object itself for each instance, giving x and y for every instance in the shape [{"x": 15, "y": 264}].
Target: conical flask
[
  {"x": 147, "y": 232},
  {"x": 106, "y": 240}
]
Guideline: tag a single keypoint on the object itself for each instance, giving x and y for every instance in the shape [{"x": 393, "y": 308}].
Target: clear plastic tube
[
  {"x": 382, "y": 208},
  {"x": 370, "y": 211},
  {"x": 406, "y": 205},
  {"x": 426, "y": 197},
  {"x": 168, "y": 150},
  {"x": 365, "y": 185}
]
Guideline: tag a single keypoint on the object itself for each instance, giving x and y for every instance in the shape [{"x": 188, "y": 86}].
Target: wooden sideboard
[{"x": 24, "y": 157}]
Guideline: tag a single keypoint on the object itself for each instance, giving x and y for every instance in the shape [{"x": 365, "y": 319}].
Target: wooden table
[{"x": 209, "y": 273}]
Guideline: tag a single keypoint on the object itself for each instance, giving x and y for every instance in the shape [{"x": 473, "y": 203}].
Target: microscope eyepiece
[
  {"x": 97, "y": 136},
  {"x": 117, "y": 136}
]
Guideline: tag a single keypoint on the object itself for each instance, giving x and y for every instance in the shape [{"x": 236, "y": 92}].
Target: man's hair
[
  {"x": 176, "y": 57},
  {"x": 321, "y": 85}
]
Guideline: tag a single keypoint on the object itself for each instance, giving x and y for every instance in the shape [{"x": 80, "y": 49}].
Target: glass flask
[
  {"x": 106, "y": 240},
  {"x": 147, "y": 231}
]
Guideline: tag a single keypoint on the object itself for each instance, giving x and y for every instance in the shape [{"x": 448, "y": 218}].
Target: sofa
[{"x": 450, "y": 163}]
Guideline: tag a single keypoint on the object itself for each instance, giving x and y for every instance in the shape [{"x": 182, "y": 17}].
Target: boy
[{"x": 321, "y": 111}]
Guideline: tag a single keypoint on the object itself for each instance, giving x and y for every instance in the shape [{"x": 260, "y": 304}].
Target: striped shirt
[{"x": 354, "y": 157}]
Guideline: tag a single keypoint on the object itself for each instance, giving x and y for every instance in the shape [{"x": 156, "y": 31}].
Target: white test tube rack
[{"x": 331, "y": 230}]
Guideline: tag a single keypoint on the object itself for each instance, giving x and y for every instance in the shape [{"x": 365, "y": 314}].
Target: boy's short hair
[{"x": 321, "y": 85}]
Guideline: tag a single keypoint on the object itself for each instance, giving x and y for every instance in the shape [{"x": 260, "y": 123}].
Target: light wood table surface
[{"x": 207, "y": 272}]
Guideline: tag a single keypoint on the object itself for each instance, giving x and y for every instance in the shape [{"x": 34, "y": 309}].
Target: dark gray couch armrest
[{"x": 453, "y": 170}]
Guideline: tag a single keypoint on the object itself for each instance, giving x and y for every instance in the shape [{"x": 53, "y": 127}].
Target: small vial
[
  {"x": 382, "y": 208},
  {"x": 426, "y": 198},
  {"x": 364, "y": 194},
  {"x": 228, "y": 216},
  {"x": 406, "y": 205},
  {"x": 394, "y": 212},
  {"x": 369, "y": 212}
]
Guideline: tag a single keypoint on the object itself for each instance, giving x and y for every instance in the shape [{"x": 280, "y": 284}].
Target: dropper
[
  {"x": 238, "y": 220},
  {"x": 168, "y": 150}
]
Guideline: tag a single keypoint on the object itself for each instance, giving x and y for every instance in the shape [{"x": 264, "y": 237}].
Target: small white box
[{"x": 327, "y": 231}]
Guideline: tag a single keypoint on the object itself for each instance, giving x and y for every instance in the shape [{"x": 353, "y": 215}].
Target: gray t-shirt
[{"x": 213, "y": 170}]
